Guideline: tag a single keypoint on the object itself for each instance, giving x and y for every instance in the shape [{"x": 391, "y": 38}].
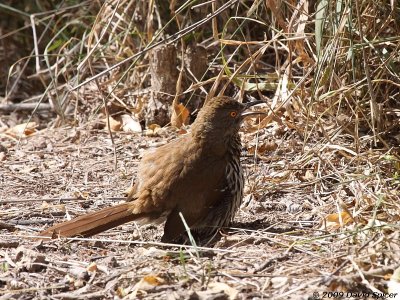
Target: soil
[{"x": 272, "y": 251}]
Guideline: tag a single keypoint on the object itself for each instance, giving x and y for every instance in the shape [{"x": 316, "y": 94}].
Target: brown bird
[{"x": 198, "y": 175}]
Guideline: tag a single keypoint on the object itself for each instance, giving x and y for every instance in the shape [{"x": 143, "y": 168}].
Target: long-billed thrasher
[{"x": 198, "y": 175}]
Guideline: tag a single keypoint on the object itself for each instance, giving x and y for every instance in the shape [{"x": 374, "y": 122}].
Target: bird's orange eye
[{"x": 233, "y": 114}]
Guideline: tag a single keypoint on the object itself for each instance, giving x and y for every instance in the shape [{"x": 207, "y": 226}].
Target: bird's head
[{"x": 221, "y": 117}]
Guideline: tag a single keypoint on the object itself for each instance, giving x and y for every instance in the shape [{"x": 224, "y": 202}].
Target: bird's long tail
[{"x": 96, "y": 222}]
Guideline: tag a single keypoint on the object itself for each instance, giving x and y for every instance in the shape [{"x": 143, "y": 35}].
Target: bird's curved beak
[{"x": 252, "y": 113}]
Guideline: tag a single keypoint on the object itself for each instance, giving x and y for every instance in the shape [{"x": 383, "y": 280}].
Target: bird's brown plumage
[{"x": 198, "y": 175}]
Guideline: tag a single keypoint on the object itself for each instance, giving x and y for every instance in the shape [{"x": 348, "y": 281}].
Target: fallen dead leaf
[
  {"x": 121, "y": 292},
  {"x": 278, "y": 282},
  {"x": 180, "y": 115},
  {"x": 231, "y": 292},
  {"x": 29, "y": 260},
  {"x": 81, "y": 195},
  {"x": 309, "y": 176},
  {"x": 22, "y": 130},
  {"x": 92, "y": 267},
  {"x": 262, "y": 148},
  {"x": 115, "y": 125},
  {"x": 130, "y": 124},
  {"x": 394, "y": 284},
  {"x": 146, "y": 283},
  {"x": 57, "y": 207},
  {"x": 335, "y": 221},
  {"x": 279, "y": 176},
  {"x": 78, "y": 272},
  {"x": 152, "y": 130},
  {"x": 154, "y": 252},
  {"x": 2, "y": 156}
]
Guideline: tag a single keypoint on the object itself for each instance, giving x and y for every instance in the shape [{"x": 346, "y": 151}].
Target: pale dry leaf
[
  {"x": 377, "y": 223},
  {"x": 47, "y": 206},
  {"x": 79, "y": 283},
  {"x": 121, "y": 292},
  {"x": 231, "y": 292},
  {"x": 22, "y": 130},
  {"x": 29, "y": 169},
  {"x": 130, "y": 124},
  {"x": 146, "y": 283},
  {"x": 309, "y": 176},
  {"x": 29, "y": 260},
  {"x": 278, "y": 282},
  {"x": 394, "y": 284},
  {"x": 279, "y": 176},
  {"x": 154, "y": 252},
  {"x": 302, "y": 8},
  {"x": 81, "y": 195},
  {"x": 78, "y": 272},
  {"x": 152, "y": 130}
]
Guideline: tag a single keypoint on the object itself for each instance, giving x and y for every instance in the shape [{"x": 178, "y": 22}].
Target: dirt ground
[{"x": 276, "y": 249}]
